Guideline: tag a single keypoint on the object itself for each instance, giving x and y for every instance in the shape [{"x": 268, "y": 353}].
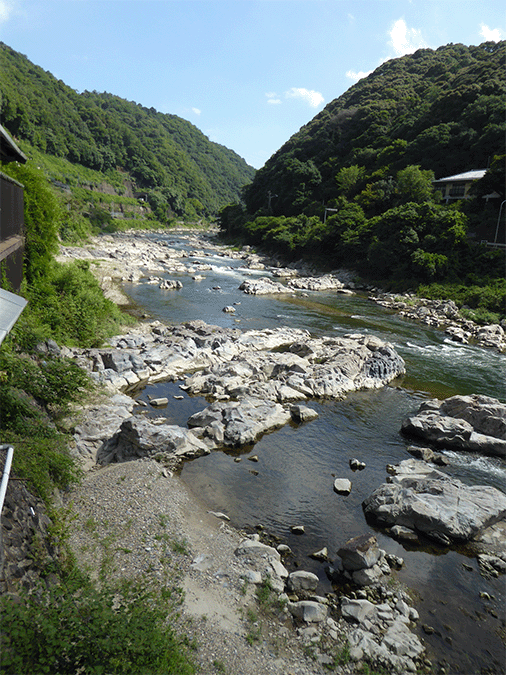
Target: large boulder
[
  {"x": 476, "y": 423},
  {"x": 141, "y": 437},
  {"x": 428, "y": 501},
  {"x": 237, "y": 423}
]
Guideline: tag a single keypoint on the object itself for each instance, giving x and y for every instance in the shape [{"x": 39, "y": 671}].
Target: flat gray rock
[
  {"x": 428, "y": 501},
  {"x": 141, "y": 437},
  {"x": 476, "y": 423},
  {"x": 240, "y": 422}
]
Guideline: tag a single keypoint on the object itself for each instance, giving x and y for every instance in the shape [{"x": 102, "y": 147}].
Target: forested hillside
[
  {"x": 354, "y": 187},
  {"x": 442, "y": 110},
  {"x": 184, "y": 171}
]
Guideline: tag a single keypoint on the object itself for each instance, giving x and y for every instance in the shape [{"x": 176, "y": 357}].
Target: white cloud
[
  {"x": 353, "y": 75},
  {"x": 196, "y": 111},
  {"x": 5, "y": 11},
  {"x": 273, "y": 98},
  {"x": 490, "y": 34},
  {"x": 405, "y": 40},
  {"x": 314, "y": 98}
]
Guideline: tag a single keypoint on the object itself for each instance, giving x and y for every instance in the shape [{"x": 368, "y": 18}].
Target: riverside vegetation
[
  {"x": 69, "y": 623},
  {"x": 354, "y": 186}
]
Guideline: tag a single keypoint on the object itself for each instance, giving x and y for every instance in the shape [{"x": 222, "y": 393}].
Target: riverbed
[{"x": 291, "y": 483}]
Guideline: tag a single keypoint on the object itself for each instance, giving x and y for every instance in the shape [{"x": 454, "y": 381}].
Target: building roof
[
  {"x": 9, "y": 151},
  {"x": 11, "y": 306},
  {"x": 466, "y": 176}
]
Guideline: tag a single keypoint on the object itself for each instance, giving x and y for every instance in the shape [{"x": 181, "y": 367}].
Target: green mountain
[
  {"x": 165, "y": 154},
  {"x": 442, "y": 110}
]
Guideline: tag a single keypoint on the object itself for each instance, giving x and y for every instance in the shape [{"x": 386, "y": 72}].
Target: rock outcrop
[
  {"x": 140, "y": 437},
  {"x": 476, "y": 423},
  {"x": 428, "y": 502},
  {"x": 238, "y": 423}
]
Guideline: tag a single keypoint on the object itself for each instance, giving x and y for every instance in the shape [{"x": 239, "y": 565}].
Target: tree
[{"x": 414, "y": 185}]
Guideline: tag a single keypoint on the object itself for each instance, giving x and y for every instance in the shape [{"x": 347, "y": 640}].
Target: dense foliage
[
  {"x": 161, "y": 153},
  {"x": 354, "y": 187},
  {"x": 78, "y": 628},
  {"x": 65, "y": 302}
]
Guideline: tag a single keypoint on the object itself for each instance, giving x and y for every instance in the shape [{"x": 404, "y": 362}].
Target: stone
[
  {"x": 229, "y": 309},
  {"x": 262, "y": 286},
  {"x": 171, "y": 284},
  {"x": 297, "y": 529},
  {"x": 356, "y": 610},
  {"x": 361, "y": 552},
  {"x": 302, "y": 581},
  {"x": 342, "y": 486},
  {"x": 252, "y": 577},
  {"x": 242, "y": 422},
  {"x": 308, "y": 610},
  {"x": 404, "y": 534},
  {"x": 399, "y": 640},
  {"x": 428, "y": 501},
  {"x": 356, "y": 465},
  {"x": 302, "y": 413},
  {"x": 421, "y": 453},
  {"x": 367, "y": 577},
  {"x": 322, "y": 554},
  {"x": 253, "y": 547},
  {"x": 159, "y": 402}
]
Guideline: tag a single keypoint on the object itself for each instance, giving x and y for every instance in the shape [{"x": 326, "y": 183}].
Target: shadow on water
[{"x": 292, "y": 482}]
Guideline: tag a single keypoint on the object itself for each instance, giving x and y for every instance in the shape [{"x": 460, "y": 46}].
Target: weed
[
  {"x": 219, "y": 666},
  {"x": 180, "y": 546},
  {"x": 163, "y": 519},
  {"x": 253, "y": 636}
]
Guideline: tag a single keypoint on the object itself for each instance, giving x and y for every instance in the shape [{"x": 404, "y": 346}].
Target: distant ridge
[{"x": 101, "y": 131}]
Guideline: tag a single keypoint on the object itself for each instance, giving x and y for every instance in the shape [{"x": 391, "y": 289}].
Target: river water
[{"x": 292, "y": 482}]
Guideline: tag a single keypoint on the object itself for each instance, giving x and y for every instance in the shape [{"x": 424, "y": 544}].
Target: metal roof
[
  {"x": 467, "y": 175},
  {"x": 9, "y": 151},
  {"x": 11, "y": 306}
]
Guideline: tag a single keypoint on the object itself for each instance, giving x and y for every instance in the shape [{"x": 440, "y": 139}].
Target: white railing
[{"x": 6, "y": 473}]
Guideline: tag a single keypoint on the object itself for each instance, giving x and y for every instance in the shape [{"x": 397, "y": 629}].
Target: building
[
  {"x": 11, "y": 215},
  {"x": 12, "y": 239},
  {"x": 457, "y": 186}
]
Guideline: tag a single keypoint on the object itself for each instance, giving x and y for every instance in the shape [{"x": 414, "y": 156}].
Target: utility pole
[{"x": 270, "y": 197}]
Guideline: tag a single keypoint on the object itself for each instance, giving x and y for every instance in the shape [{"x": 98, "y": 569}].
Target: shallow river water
[{"x": 297, "y": 464}]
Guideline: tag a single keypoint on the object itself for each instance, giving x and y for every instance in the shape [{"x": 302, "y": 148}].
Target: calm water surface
[{"x": 297, "y": 464}]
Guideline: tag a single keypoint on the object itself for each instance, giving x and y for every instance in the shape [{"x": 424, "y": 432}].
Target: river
[{"x": 292, "y": 482}]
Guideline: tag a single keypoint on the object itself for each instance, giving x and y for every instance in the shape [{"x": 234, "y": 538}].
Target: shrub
[{"x": 78, "y": 628}]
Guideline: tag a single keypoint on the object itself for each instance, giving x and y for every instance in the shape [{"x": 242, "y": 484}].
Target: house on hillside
[
  {"x": 458, "y": 186},
  {"x": 11, "y": 215},
  {"x": 12, "y": 239}
]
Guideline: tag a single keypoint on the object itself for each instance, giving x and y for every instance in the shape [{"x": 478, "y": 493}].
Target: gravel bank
[{"x": 135, "y": 519}]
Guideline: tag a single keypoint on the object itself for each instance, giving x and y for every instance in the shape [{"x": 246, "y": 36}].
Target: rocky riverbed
[{"x": 255, "y": 381}]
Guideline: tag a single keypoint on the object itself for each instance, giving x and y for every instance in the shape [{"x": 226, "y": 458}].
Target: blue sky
[{"x": 248, "y": 73}]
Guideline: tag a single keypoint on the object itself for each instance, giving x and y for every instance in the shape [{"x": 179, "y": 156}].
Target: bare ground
[{"x": 136, "y": 520}]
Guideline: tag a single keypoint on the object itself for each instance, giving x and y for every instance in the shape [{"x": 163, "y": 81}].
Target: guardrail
[{"x": 6, "y": 473}]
